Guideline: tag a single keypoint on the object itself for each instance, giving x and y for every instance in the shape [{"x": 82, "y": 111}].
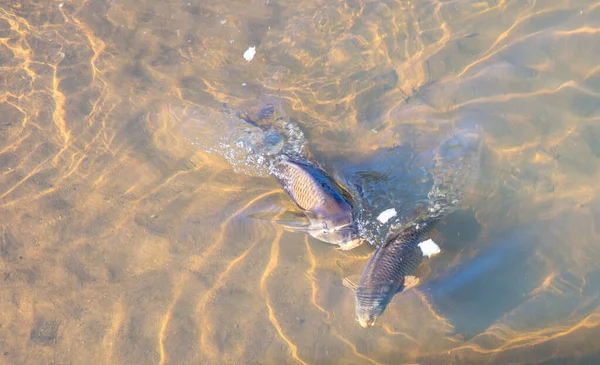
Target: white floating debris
[
  {"x": 224, "y": 21},
  {"x": 61, "y": 5},
  {"x": 249, "y": 54},
  {"x": 429, "y": 248},
  {"x": 243, "y": 84},
  {"x": 386, "y": 215}
]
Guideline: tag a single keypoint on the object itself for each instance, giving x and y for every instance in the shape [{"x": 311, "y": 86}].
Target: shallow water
[{"x": 123, "y": 243}]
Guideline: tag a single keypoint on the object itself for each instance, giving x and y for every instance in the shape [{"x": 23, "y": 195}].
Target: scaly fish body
[
  {"x": 321, "y": 199},
  {"x": 388, "y": 271}
]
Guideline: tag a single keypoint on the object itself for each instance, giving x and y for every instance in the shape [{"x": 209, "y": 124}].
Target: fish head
[
  {"x": 367, "y": 314},
  {"x": 370, "y": 305},
  {"x": 367, "y": 320},
  {"x": 338, "y": 230}
]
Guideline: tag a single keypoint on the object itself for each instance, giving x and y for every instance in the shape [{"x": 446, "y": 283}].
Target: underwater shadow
[{"x": 478, "y": 291}]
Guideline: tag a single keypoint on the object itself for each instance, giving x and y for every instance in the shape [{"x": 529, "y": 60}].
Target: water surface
[{"x": 123, "y": 243}]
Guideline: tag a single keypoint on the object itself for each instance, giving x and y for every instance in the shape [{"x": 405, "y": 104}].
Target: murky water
[{"x": 123, "y": 242}]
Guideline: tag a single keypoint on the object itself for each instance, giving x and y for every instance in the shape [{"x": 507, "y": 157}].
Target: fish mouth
[
  {"x": 368, "y": 322},
  {"x": 353, "y": 243}
]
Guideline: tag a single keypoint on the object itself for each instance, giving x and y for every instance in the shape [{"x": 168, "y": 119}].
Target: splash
[
  {"x": 454, "y": 168},
  {"x": 384, "y": 180},
  {"x": 412, "y": 185},
  {"x": 249, "y": 147}
]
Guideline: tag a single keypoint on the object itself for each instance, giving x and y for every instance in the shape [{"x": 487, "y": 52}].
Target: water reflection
[{"x": 121, "y": 243}]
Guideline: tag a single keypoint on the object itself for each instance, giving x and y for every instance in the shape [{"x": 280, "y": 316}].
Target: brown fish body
[
  {"x": 454, "y": 168},
  {"x": 321, "y": 199},
  {"x": 307, "y": 190},
  {"x": 387, "y": 270}
]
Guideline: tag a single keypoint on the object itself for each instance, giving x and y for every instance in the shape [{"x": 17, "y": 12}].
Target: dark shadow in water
[
  {"x": 387, "y": 178},
  {"x": 588, "y": 360},
  {"x": 459, "y": 229},
  {"x": 475, "y": 293}
]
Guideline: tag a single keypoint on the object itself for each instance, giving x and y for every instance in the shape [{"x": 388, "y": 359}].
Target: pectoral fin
[
  {"x": 410, "y": 282},
  {"x": 296, "y": 226},
  {"x": 300, "y": 222},
  {"x": 289, "y": 220},
  {"x": 351, "y": 282},
  {"x": 283, "y": 215}
]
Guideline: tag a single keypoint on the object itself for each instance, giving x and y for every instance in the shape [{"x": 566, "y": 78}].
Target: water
[
  {"x": 123, "y": 243},
  {"x": 249, "y": 147}
]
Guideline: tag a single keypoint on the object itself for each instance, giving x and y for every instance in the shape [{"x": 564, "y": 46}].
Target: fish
[
  {"x": 390, "y": 270},
  {"x": 326, "y": 210},
  {"x": 325, "y": 203}
]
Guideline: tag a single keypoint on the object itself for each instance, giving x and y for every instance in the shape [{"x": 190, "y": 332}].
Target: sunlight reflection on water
[{"x": 122, "y": 243}]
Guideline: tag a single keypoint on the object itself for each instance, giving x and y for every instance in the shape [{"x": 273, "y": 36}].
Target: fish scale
[
  {"x": 301, "y": 186},
  {"x": 453, "y": 167},
  {"x": 323, "y": 200},
  {"x": 385, "y": 273},
  {"x": 398, "y": 258},
  {"x": 270, "y": 145}
]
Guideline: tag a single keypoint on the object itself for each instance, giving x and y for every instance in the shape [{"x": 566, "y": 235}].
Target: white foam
[
  {"x": 249, "y": 54},
  {"x": 386, "y": 215},
  {"x": 429, "y": 248}
]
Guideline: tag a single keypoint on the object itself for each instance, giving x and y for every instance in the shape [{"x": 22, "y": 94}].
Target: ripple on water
[{"x": 115, "y": 248}]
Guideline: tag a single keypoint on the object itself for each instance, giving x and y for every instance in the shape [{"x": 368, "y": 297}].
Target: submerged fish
[
  {"x": 323, "y": 201},
  {"x": 327, "y": 212},
  {"x": 266, "y": 144},
  {"x": 390, "y": 271},
  {"x": 454, "y": 168}
]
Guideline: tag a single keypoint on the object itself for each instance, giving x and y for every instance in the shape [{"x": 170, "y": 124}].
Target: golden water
[{"x": 121, "y": 243}]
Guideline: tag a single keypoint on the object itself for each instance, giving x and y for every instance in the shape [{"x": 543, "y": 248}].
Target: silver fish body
[
  {"x": 386, "y": 272},
  {"x": 322, "y": 200}
]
